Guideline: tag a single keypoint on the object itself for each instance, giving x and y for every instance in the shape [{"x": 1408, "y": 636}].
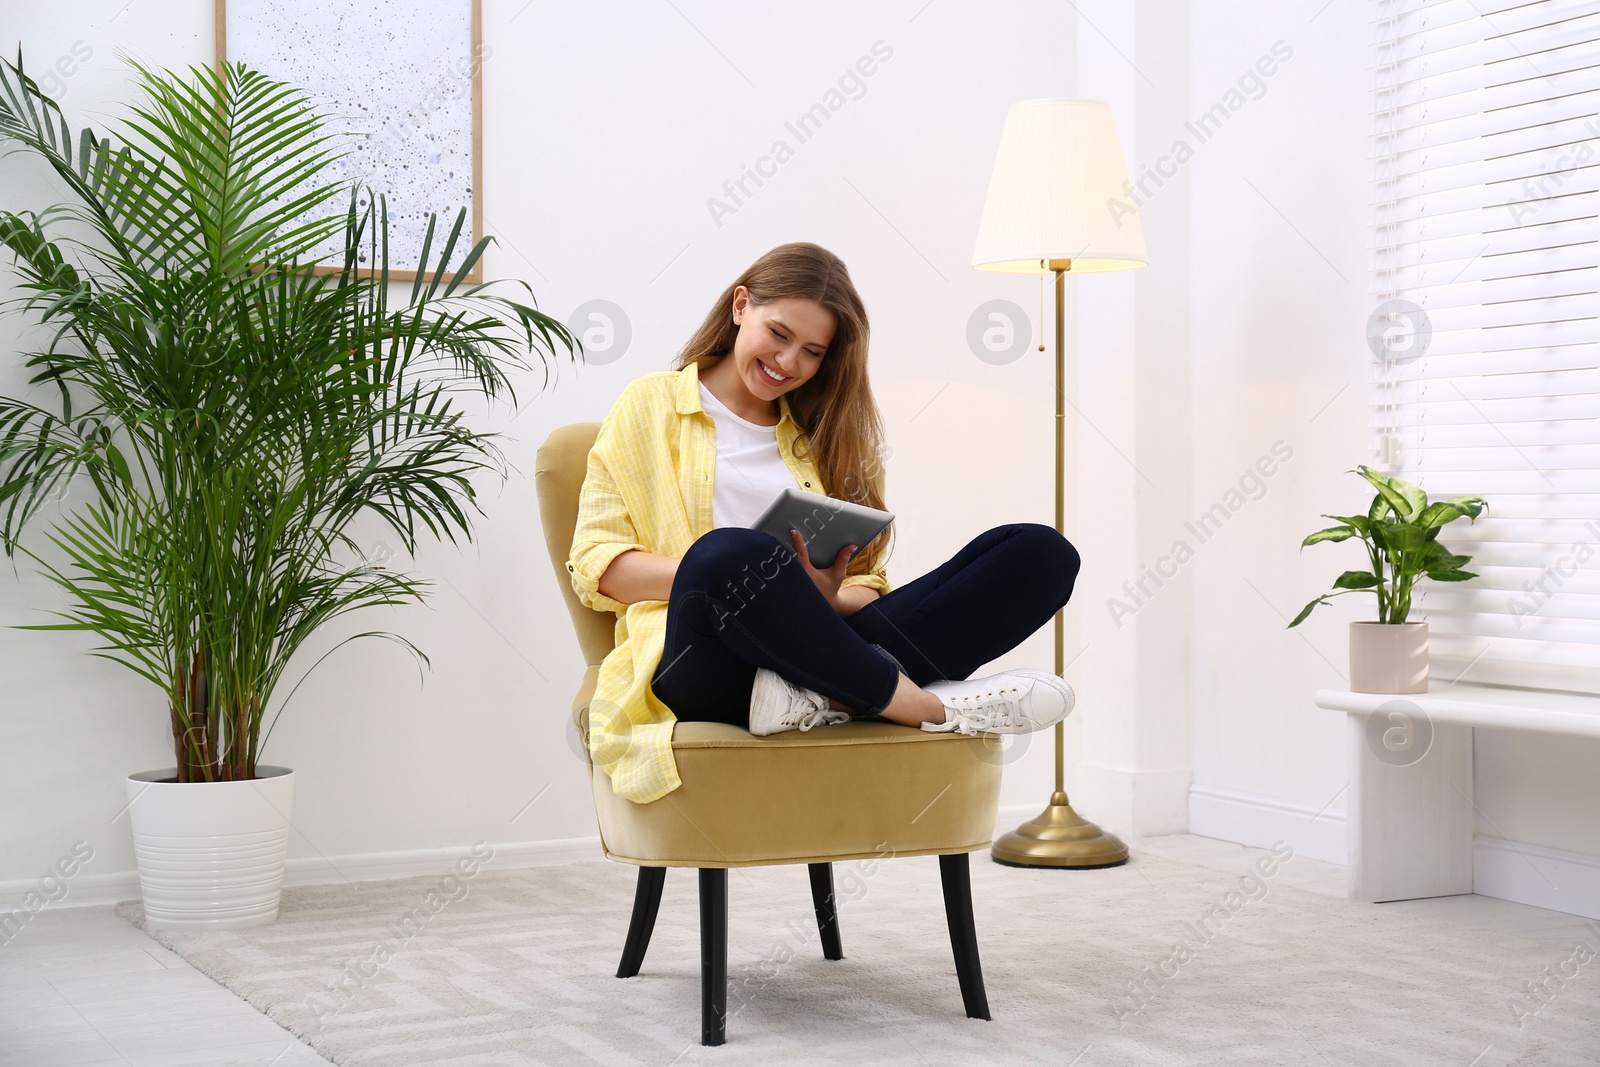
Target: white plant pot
[
  {"x": 210, "y": 854},
  {"x": 1389, "y": 658}
]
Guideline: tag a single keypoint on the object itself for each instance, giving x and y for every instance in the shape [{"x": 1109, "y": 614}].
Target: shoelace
[
  {"x": 809, "y": 716},
  {"x": 983, "y": 711}
]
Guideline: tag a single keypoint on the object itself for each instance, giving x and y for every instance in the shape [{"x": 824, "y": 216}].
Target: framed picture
[{"x": 402, "y": 83}]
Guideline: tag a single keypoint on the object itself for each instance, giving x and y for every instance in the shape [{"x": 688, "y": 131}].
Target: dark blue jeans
[{"x": 741, "y": 600}]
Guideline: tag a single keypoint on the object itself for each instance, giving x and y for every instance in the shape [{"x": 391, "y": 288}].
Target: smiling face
[{"x": 786, "y": 337}]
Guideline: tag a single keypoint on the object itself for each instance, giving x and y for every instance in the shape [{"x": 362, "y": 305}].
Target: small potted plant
[{"x": 1400, "y": 531}]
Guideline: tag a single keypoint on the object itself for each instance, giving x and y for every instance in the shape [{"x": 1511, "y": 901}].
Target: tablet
[{"x": 827, "y": 523}]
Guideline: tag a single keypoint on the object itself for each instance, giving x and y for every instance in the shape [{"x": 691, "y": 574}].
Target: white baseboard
[
  {"x": 1132, "y": 803},
  {"x": 1259, "y": 821},
  {"x": 86, "y": 889},
  {"x": 82, "y": 890},
  {"x": 1535, "y": 875},
  {"x": 373, "y": 865},
  {"x": 99, "y": 889},
  {"x": 1010, "y": 816}
]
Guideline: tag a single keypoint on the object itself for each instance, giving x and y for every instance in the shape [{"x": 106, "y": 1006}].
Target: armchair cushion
[{"x": 845, "y": 791}]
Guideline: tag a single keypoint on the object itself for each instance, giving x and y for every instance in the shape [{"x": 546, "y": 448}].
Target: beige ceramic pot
[{"x": 1389, "y": 658}]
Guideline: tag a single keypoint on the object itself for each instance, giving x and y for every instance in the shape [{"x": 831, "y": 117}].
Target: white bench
[{"x": 1410, "y": 809}]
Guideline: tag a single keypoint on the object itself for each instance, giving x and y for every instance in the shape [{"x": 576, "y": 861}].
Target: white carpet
[{"x": 519, "y": 969}]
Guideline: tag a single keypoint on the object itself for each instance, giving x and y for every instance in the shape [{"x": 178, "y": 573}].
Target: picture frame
[{"x": 425, "y": 147}]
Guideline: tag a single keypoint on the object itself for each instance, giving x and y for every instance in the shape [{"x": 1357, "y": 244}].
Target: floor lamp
[{"x": 1059, "y": 202}]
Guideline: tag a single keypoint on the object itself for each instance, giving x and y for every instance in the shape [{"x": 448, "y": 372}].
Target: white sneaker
[
  {"x": 777, "y": 704},
  {"x": 1011, "y": 702}
]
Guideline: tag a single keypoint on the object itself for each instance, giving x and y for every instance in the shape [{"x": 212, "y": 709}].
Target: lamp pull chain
[{"x": 1041, "y": 311}]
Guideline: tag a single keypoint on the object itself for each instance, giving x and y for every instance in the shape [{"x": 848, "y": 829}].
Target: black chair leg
[
  {"x": 713, "y": 955},
  {"x": 954, "y": 873},
  {"x": 646, "y": 902},
  {"x": 827, "y": 909}
]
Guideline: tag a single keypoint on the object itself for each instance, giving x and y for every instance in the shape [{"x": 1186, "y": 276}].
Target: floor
[{"x": 80, "y": 986}]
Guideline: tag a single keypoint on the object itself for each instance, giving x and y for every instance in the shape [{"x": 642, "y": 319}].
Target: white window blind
[{"x": 1486, "y": 217}]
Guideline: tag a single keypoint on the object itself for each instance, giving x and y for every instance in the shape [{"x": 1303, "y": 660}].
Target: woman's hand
[{"x": 827, "y": 580}]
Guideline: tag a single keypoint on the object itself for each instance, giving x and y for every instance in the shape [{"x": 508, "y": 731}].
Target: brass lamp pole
[
  {"x": 1060, "y": 837},
  {"x": 1057, "y": 202}
]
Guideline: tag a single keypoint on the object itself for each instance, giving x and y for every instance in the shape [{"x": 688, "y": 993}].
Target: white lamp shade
[{"x": 1057, "y": 193}]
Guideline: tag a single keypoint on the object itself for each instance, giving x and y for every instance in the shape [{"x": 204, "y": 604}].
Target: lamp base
[{"x": 1059, "y": 837}]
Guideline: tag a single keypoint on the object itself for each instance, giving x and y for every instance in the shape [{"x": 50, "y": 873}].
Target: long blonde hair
[{"x": 841, "y": 428}]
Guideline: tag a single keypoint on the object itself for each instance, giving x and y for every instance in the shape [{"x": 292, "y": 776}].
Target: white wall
[
  {"x": 1131, "y": 423},
  {"x": 607, "y": 128},
  {"x": 1279, "y": 308},
  {"x": 1279, "y": 304}
]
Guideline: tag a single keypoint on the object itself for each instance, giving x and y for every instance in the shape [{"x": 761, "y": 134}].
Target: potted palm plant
[
  {"x": 1400, "y": 532},
  {"x": 232, "y": 405}
]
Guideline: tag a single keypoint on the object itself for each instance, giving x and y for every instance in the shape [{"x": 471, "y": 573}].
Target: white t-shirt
[{"x": 750, "y": 471}]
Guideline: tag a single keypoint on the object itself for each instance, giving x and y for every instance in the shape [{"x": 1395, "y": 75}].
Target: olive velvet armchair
[{"x": 855, "y": 790}]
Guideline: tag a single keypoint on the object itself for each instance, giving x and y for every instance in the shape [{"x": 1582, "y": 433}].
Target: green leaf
[
  {"x": 1390, "y": 493},
  {"x": 1439, "y": 513},
  {"x": 1356, "y": 580},
  {"x": 1332, "y": 533},
  {"x": 1403, "y": 536},
  {"x": 1416, "y": 499},
  {"x": 1436, "y": 555},
  {"x": 119, "y": 464},
  {"x": 1305, "y": 611},
  {"x": 1355, "y": 522},
  {"x": 1449, "y": 574},
  {"x": 1472, "y": 506}
]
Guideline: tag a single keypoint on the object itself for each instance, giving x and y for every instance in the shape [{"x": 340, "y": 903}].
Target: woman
[{"x": 720, "y": 622}]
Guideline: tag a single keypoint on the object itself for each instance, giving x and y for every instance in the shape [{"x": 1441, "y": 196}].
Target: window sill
[{"x": 1495, "y": 707}]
